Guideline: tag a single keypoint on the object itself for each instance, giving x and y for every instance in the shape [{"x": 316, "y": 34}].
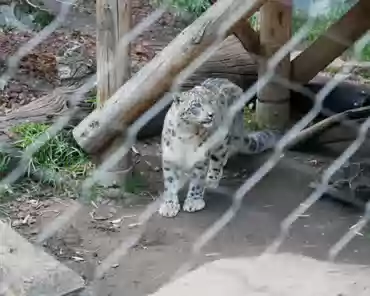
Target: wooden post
[
  {"x": 273, "y": 100},
  {"x": 113, "y": 22}
]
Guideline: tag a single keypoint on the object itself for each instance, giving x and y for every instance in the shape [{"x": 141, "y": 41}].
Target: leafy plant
[
  {"x": 60, "y": 153},
  {"x": 194, "y": 7},
  {"x": 42, "y": 18},
  {"x": 4, "y": 163},
  {"x": 135, "y": 184}
]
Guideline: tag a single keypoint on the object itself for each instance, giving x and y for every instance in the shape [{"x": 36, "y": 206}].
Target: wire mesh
[{"x": 133, "y": 130}]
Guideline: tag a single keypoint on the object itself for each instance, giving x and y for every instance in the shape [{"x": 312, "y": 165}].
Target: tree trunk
[
  {"x": 45, "y": 109},
  {"x": 156, "y": 77}
]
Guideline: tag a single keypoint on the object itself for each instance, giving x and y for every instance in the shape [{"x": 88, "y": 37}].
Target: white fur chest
[{"x": 181, "y": 151}]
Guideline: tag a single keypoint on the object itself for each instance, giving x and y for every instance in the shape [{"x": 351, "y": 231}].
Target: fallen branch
[
  {"x": 45, "y": 109},
  {"x": 327, "y": 123}
]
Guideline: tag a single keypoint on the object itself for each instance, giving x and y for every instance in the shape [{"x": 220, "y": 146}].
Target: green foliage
[
  {"x": 250, "y": 119},
  {"x": 254, "y": 21},
  {"x": 193, "y": 7},
  {"x": 323, "y": 22},
  {"x": 42, "y": 18},
  {"x": 92, "y": 98},
  {"x": 6, "y": 29},
  {"x": 135, "y": 184},
  {"x": 366, "y": 53},
  {"x": 4, "y": 163},
  {"x": 60, "y": 153}
]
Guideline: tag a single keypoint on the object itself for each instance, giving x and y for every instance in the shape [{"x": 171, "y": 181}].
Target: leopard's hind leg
[{"x": 217, "y": 162}]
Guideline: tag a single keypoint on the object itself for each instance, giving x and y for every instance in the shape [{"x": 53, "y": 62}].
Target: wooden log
[
  {"x": 156, "y": 77},
  {"x": 114, "y": 19},
  {"x": 45, "y": 109},
  {"x": 275, "y": 30},
  {"x": 338, "y": 38},
  {"x": 231, "y": 61}
]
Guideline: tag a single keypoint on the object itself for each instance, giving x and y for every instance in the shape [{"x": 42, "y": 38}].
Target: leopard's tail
[{"x": 256, "y": 142}]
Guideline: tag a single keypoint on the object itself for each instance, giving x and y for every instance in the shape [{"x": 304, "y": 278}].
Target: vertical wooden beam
[
  {"x": 113, "y": 22},
  {"x": 275, "y": 30}
]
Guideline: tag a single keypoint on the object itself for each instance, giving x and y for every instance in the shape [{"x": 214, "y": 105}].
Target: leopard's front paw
[
  {"x": 193, "y": 205},
  {"x": 169, "y": 209}
]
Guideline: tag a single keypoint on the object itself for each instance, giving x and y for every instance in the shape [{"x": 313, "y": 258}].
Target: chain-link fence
[{"x": 79, "y": 95}]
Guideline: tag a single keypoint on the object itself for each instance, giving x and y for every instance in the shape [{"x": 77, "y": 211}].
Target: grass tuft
[{"x": 60, "y": 153}]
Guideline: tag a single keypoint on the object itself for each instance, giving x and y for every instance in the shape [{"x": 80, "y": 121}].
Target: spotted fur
[{"x": 192, "y": 118}]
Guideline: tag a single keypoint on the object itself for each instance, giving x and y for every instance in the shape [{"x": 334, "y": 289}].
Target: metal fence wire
[{"x": 240, "y": 194}]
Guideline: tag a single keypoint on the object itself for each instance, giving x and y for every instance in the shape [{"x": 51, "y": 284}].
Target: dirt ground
[
  {"x": 165, "y": 244},
  {"x": 101, "y": 226}
]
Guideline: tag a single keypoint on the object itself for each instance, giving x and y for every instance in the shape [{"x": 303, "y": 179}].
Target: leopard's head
[{"x": 197, "y": 107}]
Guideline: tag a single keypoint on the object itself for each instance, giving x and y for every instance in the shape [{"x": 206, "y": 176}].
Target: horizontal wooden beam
[
  {"x": 337, "y": 39},
  {"x": 140, "y": 93}
]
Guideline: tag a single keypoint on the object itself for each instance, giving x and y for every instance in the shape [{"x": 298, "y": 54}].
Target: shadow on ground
[{"x": 166, "y": 243}]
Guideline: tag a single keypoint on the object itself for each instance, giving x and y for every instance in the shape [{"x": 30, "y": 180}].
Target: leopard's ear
[{"x": 177, "y": 98}]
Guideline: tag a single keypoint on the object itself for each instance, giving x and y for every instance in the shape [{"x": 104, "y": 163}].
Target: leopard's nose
[{"x": 210, "y": 114}]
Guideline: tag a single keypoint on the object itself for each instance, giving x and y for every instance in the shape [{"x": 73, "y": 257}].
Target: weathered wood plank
[
  {"x": 45, "y": 109},
  {"x": 27, "y": 270}
]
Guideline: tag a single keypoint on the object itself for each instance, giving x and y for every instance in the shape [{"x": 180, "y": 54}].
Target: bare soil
[{"x": 163, "y": 245}]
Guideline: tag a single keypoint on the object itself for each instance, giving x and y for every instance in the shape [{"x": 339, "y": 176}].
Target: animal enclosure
[{"x": 79, "y": 102}]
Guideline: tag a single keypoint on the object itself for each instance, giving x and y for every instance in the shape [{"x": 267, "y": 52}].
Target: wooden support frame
[
  {"x": 337, "y": 39},
  {"x": 142, "y": 91},
  {"x": 273, "y": 104},
  {"x": 247, "y": 36},
  {"x": 139, "y": 93}
]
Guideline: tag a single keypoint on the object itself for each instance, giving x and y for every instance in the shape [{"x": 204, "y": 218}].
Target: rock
[{"x": 281, "y": 274}]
